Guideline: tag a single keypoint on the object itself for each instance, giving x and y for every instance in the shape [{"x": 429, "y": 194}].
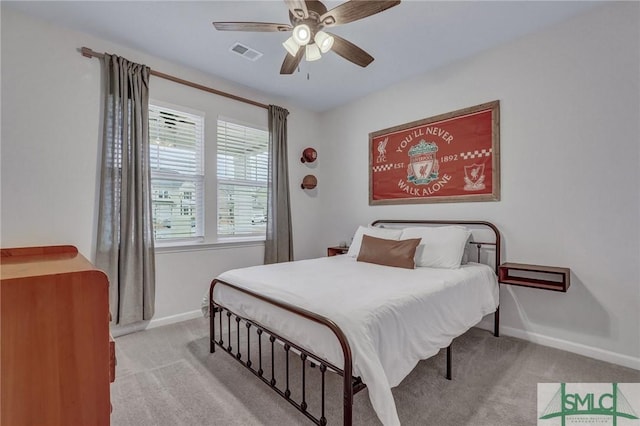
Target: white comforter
[{"x": 392, "y": 317}]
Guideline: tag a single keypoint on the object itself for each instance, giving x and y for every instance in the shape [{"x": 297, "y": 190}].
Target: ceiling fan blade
[
  {"x": 291, "y": 62},
  {"x": 350, "y": 51},
  {"x": 251, "y": 26},
  {"x": 355, "y": 9},
  {"x": 298, "y": 8}
]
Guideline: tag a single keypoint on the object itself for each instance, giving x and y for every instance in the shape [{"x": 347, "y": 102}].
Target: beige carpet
[{"x": 166, "y": 376}]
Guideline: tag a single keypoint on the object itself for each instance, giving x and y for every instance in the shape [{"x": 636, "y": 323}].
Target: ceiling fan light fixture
[
  {"x": 291, "y": 46},
  {"x": 302, "y": 34},
  {"x": 324, "y": 41},
  {"x": 313, "y": 52},
  {"x": 329, "y": 20}
]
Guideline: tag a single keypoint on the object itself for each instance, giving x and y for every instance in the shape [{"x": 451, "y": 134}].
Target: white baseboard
[
  {"x": 157, "y": 322},
  {"x": 175, "y": 318},
  {"x": 487, "y": 323},
  {"x": 577, "y": 348}
]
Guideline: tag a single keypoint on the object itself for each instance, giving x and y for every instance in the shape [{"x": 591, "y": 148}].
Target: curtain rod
[{"x": 85, "y": 51}]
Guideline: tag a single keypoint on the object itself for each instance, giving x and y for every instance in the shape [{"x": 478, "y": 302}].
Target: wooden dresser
[{"x": 56, "y": 356}]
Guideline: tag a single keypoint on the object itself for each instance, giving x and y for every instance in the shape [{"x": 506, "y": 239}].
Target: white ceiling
[{"x": 406, "y": 40}]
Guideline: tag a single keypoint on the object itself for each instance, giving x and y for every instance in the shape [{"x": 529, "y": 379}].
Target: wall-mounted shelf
[
  {"x": 535, "y": 276},
  {"x": 333, "y": 251}
]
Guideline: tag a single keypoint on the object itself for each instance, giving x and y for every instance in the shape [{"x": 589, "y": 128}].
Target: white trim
[
  {"x": 177, "y": 108},
  {"x": 158, "y": 322},
  {"x": 487, "y": 324},
  {"x": 217, "y": 245},
  {"x": 553, "y": 342},
  {"x": 242, "y": 123},
  {"x": 172, "y": 319}
]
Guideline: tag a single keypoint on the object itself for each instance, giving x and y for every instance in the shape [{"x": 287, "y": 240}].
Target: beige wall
[
  {"x": 51, "y": 117},
  {"x": 570, "y": 166},
  {"x": 569, "y": 107}
]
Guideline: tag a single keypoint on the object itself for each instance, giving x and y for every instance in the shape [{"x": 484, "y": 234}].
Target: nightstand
[
  {"x": 333, "y": 251},
  {"x": 535, "y": 276}
]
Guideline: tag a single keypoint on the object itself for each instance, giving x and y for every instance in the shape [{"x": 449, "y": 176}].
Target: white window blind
[
  {"x": 176, "y": 144},
  {"x": 242, "y": 161}
]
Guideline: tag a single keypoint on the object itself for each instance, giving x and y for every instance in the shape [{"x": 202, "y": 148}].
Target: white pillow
[
  {"x": 441, "y": 247},
  {"x": 386, "y": 233},
  {"x": 466, "y": 255}
]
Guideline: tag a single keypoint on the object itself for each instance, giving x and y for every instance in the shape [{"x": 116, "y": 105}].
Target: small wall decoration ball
[
  {"x": 309, "y": 155},
  {"x": 309, "y": 182}
]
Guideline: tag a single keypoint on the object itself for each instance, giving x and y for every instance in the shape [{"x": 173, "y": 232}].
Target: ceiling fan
[{"x": 308, "y": 19}]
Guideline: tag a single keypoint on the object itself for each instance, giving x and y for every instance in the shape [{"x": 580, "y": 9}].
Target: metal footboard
[{"x": 230, "y": 343}]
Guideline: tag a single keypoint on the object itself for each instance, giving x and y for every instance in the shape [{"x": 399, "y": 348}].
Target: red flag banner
[{"x": 452, "y": 157}]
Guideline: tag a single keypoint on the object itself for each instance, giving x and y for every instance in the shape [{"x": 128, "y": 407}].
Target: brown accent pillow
[{"x": 398, "y": 253}]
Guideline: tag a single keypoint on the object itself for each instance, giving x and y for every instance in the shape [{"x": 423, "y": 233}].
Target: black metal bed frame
[{"x": 351, "y": 385}]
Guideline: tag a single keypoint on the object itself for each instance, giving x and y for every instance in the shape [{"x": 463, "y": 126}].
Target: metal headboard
[{"x": 477, "y": 223}]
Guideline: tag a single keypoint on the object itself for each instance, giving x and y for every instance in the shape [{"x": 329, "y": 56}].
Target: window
[
  {"x": 242, "y": 161},
  {"x": 176, "y": 141}
]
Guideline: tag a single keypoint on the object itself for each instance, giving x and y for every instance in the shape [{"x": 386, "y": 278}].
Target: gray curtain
[
  {"x": 125, "y": 232},
  {"x": 278, "y": 246}
]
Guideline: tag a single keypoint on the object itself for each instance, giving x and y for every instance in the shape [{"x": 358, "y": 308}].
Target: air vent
[{"x": 245, "y": 51}]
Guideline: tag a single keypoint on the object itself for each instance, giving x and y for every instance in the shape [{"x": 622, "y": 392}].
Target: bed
[{"x": 384, "y": 321}]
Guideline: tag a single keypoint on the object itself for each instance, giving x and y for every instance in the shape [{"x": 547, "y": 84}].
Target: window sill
[{"x": 172, "y": 247}]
